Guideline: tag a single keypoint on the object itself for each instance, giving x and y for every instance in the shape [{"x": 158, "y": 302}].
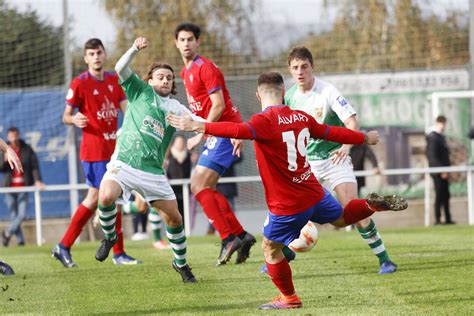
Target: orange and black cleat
[{"x": 283, "y": 302}]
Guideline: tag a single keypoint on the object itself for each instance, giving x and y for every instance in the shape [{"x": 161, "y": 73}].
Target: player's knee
[
  {"x": 106, "y": 198},
  {"x": 267, "y": 247},
  {"x": 175, "y": 221},
  {"x": 195, "y": 188}
]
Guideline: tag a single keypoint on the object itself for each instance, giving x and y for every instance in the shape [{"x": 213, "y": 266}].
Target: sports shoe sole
[
  {"x": 387, "y": 203},
  {"x": 236, "y": 245}
]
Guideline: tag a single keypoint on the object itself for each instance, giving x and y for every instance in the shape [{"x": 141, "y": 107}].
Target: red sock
[
  {"x": 226, "y": 209},
  {"x": 211, "y": 208},
  {"x": 281, "y": 277},
  {"x": 78, "y": 221},
  {"x": 118, "y": 247},
  {"x": 356, "y": 210}
]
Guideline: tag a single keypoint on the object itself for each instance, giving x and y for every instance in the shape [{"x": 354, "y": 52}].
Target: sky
[{"x": 89, "y": 19}]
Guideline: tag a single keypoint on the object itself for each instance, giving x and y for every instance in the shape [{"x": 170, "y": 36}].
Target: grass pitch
[{"x": 339, "y": 276}]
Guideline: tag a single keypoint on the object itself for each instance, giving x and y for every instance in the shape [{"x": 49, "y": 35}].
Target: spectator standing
[
  {"x": 437, "y": 152},
  {"x": 358, "y": 155},
  {"x": 179, "y": 167},
  {"x": 17, "y": 203}
]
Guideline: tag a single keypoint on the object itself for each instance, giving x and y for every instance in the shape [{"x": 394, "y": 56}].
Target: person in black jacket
[
  {"x": 437, "y": 152},
  {"x": 179, "y": 167},
  {"x": 358, "y": 155},
  {"x": 17, "y": 203}
]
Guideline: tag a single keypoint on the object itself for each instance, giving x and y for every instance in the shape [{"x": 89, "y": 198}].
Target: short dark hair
[
  {"x": 188, "y": 27},
  {"x": 270, "y": 78},
  {"x": 301, "y": 53},
  {"x": 441, "y": 119},
  {"x": 13, "y": 129},
  {"x": 93, "y": 43},
  {"x": 158, "y": 65}
]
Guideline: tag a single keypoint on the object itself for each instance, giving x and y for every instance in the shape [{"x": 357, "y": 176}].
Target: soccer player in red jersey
[
  {"x": 293, "y": 194},
  {"x": 98, "y": 97},
  {"x": 209, "y": 98}
]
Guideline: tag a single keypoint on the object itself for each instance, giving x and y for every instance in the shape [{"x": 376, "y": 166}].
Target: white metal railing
[{"x": 185, "y": 183}]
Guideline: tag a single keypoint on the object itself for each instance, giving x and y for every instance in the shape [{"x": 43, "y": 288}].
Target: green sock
[
  {"x": 177, "y": 240},
  {"x": 107, "y": 216},
  {"x": 286, "y": 251},
  {"x": 371, "y": 235},
  {"x": 156, "y": 225}
]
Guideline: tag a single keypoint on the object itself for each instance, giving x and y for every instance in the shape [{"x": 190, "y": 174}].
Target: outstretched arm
[
  {"x": 341, "y": 135},
  {"x": 123, "y": 64},
  {"x": 11, "y": 156},
  {"x": 221, "y": 129}
]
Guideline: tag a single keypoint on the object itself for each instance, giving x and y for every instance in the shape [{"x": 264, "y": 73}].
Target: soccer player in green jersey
[
  {"x": 330, "y": 162},
  {"x": 139, "y": 154}
]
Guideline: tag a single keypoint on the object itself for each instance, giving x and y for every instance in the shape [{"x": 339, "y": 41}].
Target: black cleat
[
  {"x": 5, "y": 239},
  {"x": 185, "y": 272},
  {"x": 244, "y": 252},
  {"x": 227, "y": 249},
  {"x": 103, "y": 251},
  {"x": 5, "y": 269},
  {"x": 379, "y": 203}
]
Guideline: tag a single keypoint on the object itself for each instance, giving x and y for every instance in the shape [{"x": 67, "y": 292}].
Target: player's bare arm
[
  {"x": 218, "y": 107},
  {"x": 11, "y": 156},
  {"x": 340, "y": 155},
  {"x": 77, "y": 119},
  {"x": 185, "y": 123}
]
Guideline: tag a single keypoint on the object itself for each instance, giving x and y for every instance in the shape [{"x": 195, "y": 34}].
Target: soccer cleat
[
  {"x": 5, "y": 269},
  {"x": 379, "y": 203},
  {"x": 103, "y": 251},
  {"x": 387, "y": 267},
  {"x": 289, "y": 257},
  {"x": 244, "y": 252},
  {"x": 5, "y": 239},
  {"x": 161, "y": 245},
  {"x": 227, "y": 249},
  {"x": 64, "y": 256},
  {"x": 185, "y": 272},
  {"x": 283, "y": 302},
  {"x": 124, "y": 259}
]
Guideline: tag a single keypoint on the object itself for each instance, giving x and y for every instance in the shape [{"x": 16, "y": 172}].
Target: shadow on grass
[{"x": 189, "y": 309}]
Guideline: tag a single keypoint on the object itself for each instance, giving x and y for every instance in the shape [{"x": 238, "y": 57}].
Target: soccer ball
[{"x": 307, "y": 240}]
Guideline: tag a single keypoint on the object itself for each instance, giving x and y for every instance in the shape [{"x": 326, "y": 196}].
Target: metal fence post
[
  {"x": 186, "y": 210},
  {"x": 39, "y": 231},
  {"x": 470, "y": 195},
  {"x": 427, "y": 199}
]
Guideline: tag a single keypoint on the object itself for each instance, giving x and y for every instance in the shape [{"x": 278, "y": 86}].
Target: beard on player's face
[{"x": 162, "y": 90}]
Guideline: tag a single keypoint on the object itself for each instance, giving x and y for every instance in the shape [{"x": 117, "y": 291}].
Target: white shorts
[
  {"x": 150, "y": 186},
  {"x": 331, "y": 175}
]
